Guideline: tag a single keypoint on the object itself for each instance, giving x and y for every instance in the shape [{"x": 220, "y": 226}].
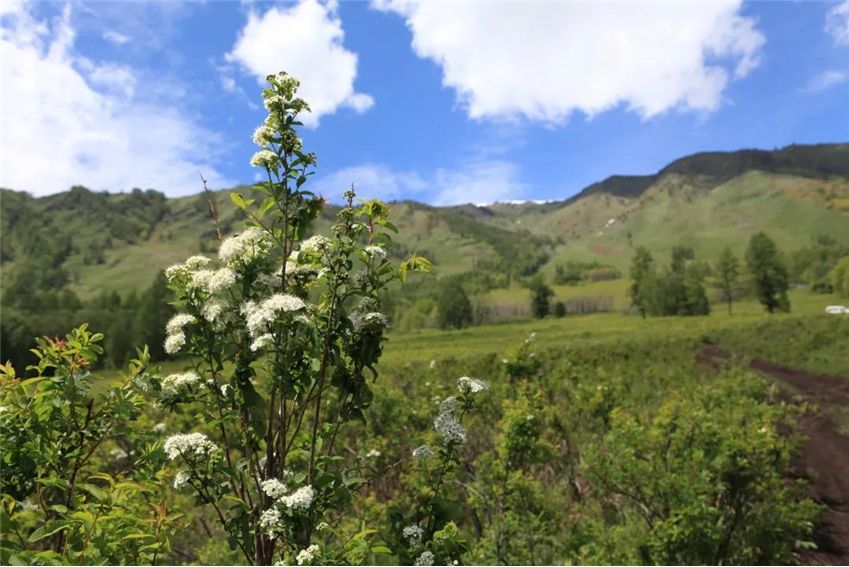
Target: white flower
[
  {"x": 376, "y": 251},
  {"x": 213, "y": 281},
  {"x": 173, "y": 343},
  {"x": 159, "y": 427},
  {"x": 447, "y": 424},
  {"x": 422, "y": 452},
  {"x": 432, "y": 364},
  {"x": 177, "y": 382},
  {"x": 259, "y": 315},
  {"x": 180, "y": 271},
  {"x": 177, "y": 322},
  {"x": 305, "y": 556},
  {"x": 375, "y": 320},
  {"x": 212, "y": 310},
  {"x": 322, "y": 526},
  {"x": 263, "y": 135},
  {"x": 373, "y": 454},
  {"x": 449, "y": 404},
  {"x": 184, "y": 444},
  {"x": 28, "y": 506},
  {"x": 269, "y": 520},
  {"x": 118, "y": 454},
  {"x": 301, "y": 499},
  {"x": 273, "y": 488},
  {"x": 262, "y": 342},
  {"x": 426, "y": 558},
  {"x": 250, "y": 244},
  {"x": 316, "y": 243},
  {"x": 468, "y": 385},
  {"x": 413, "y": 534},
  {"x": 182, "y": 479},
  {"x": 265, "y": 158}
]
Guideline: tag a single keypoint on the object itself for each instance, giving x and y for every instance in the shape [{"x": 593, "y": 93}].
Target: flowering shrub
[
  {"x": 283, "y": 334},
  {"x": 58, "y": 504}
]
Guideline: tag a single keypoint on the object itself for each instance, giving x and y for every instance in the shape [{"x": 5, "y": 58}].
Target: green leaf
[
  {"x": 47, "y": 530},
  {"x": 238, "y": 200}
]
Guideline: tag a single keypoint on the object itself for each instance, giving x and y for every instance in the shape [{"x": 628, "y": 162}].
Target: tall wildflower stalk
[{"x": 283, "y": 334}]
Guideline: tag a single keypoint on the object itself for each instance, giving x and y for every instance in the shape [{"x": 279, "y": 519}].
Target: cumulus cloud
[
  {"x": 304, "y": 40},
  {"x": 69, "y": 120},
  {"x": 543, "y": 61},
  {"x": 837, "y": 23},
  {"x": 825, "y": 80},
  {"x": 480, "y": 181}
]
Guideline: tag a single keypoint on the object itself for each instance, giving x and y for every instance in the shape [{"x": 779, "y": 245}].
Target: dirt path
[{"x": 824, "y": 456}]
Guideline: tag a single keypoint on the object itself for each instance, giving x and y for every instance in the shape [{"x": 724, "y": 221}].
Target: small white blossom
[
  {"x": 212, "y": 310},
  {"x": 173, "y": 343},
  {"x": 181, "y": 381},
  {"x": 259, "y": 315},
  {"x": 27, "y": 506},
  {"x": 263, "y": 135},
  {"x": 432, "y": 364},
  {"x": 426, "y": 558},
  {"x": 447, "y": 425},
  {"x": 184, "y": 444},
  {"x": 262, "y": 342},
  {"x": 422, "y": 452},
  {"x": 249, "y": 245},
  {"x": 373, "y": 454},
  {"x": 118, "y": 454},
  {"x": 449, "y": 404},
  {"x": 375, "y": 320},
  {"x": 180, "y": 271},
  {"x": 159, "y": 427},
  {"x": 305, "y": 556},
  {"x": 468, "y": 385},
  {"x": 213, "y": 281},
  {"x": 264, "y": 158},
  {"x": 376, "y": 251},
  {"x": 273, "y": 488},
  {"x": 322, "y": 526},
  {"x": 316, "y": 243},
  {"x": 413, "y": 534},
  {"x": 269, "y": 520},
  {"x": 182, "y": 479},
  {"x": 301, "y": 499},
  {"x": 177, "y": 322}
]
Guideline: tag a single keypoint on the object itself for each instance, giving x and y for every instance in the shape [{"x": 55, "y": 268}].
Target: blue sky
[{"x": 444, "y": 103}]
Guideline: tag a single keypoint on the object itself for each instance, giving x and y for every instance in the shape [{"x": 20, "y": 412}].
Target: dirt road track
[{"x": 824, "y": 455}]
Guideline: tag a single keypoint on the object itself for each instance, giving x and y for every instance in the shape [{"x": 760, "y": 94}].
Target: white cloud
[
  {"x": 825, "y": 80},
  {"x": 304, "y": 40},
  {"x": 115, "y": 37},
  {"x": 371, "y": 181},
  {"x": 67, "y": 120},
  {"x": 477, "y": 182},
  {"x": 543, "y": 61},
  {"x": 837, "y": 23}
]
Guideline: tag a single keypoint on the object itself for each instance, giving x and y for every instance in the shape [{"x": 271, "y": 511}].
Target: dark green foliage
[
  {"x": 541, "y": 295},
  {"x": 559, "y": 309},
  {"x": 454, "y": 310},
  {"x": 769, "y": 276},
  {"x": 727, "y": 274},
  {"x": 642, "y": 272},
  {"x": 811, "y": 265},
  {"x": 573, "y": 273}
]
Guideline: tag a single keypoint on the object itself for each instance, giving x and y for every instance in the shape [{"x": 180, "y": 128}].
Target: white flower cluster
[
  {"x": 301, "y": 499},
  {"x": 184, "y": 270},
  {"x": 182, "y": 479},
  {"x": 375, "y": 319},
  {"x": 265, "y": 158},
  {"x": 305, "y": 556},
  {"x": 468, "y": 385},
  {"x": 249, "y": 245},
  {"x": 423, "y": 452},
  {"x": 426, "y": 558},
  {"x": 212, "y": 311},
  {"x": 270, "y": 520},
  {"x": 212, "y": 281},
  {"x": 375, "y": 251},
  {"x": 174, "y": 383},
  {"x": 259, "y": 315},
  {"x": 274, "y": 488},
  {"x": 175, "y": 337},
  {"x": 315, "y": 244},
  {"x": 413, "y": 534},
  {"x": 447, "y": 424},
  {"x": 263, "y": 135},
  {"x": 185, "y": 444}
]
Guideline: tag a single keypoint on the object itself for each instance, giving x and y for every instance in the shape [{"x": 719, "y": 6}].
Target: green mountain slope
[{"x": 708, "y": 201}]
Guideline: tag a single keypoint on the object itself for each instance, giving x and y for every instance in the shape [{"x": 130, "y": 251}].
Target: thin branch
[{"x": 213, "y": 211}]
